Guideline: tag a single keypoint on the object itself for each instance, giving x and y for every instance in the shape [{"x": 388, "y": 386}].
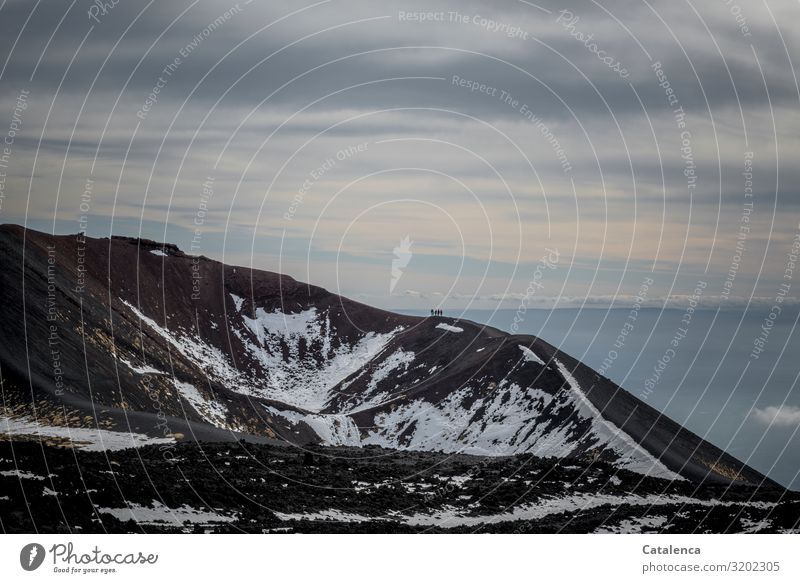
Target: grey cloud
[{"x": 599, "y": 101}]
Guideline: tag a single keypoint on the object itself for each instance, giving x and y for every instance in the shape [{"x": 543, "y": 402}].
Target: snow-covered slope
[
  {"x": 301, "y": 354},
  {"x": 169, "y": 340}
]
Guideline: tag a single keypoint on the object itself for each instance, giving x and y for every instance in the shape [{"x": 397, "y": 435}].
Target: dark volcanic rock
[
  {"x": 131, "y": 336},
  {"x": 242, "y": 487}
]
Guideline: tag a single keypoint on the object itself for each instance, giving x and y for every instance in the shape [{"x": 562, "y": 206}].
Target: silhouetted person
[{"x": 431, "y": 311}]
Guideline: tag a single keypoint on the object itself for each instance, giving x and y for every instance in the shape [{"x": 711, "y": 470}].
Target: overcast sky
[{"x": 319, "y": 136}]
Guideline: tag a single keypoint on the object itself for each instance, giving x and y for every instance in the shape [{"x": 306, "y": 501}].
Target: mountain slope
[{"x": 112, "y": 337}]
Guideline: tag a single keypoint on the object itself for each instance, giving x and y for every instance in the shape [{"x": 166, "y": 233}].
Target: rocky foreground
[{"x": 255, "y": 488}]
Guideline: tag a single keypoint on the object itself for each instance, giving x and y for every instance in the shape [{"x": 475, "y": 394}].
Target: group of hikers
[{"x": 436, "y": 312}]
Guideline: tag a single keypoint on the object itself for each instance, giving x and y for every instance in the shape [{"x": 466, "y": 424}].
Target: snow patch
[
  {"x": 211, "y": 359},
  {"x": 331, "y": 429},
  {"x": 211, "y": 411},
  {"x": 157, "y": 513},
  {"x": 508, "y": 419},
  {"x": 389, "y": 366},
  {"x": 82, "y": 438},
  {"x": 237, "y": 301},
  {"x": 634, "y": 525},
  {"x": 550, "y": 506},
  {"x": 330, "y": 515},
  {"x": 450, "y": 517},
  {"x": 503, "y": 423},
  {"x": 530, "y": 356},
  {"x": 141, "y": 369},
  {"x": 632, "y": 455},
  {"x": 21, "y": 475},
  {"x": 751, "y": 526},
  {"x": 302, "y": 381},
  {"x": 284, "y": 348},
  {"x": 449, "y": 328}
]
